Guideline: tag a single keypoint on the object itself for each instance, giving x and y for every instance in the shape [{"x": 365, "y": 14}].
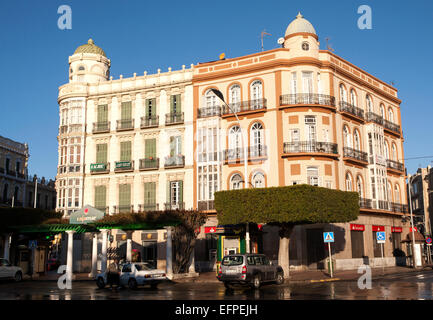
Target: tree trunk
[{"x": 283, "y": 252}]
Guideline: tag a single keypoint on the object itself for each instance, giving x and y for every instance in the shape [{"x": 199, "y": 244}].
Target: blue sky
[{"x": 147, "y": 35}]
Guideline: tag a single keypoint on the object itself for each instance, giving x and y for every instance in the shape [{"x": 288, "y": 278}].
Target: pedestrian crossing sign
[{"x": 328, "y": 237}]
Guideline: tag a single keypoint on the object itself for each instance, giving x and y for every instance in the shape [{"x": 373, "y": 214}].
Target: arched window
[
  {"x": 390, "y": 115},
  {"x": 258, "y": 180},
  {"x": 235, "y": 143},
  {"x": 357, "y": 140},
  {"x": 369, "y": 104},
  {"x": 235, "y": 182},
  {"x": 235, "y": 97},
  {"x": 343, "y": 93},
  {"x": 388, "y": 186},
  {"x": 81, "y": 68},
  {"x": 394, "y": 152},
  {"x": 256, "y": 94},
  {"x": 347, "y": 137},
  {"x": 397, "y": 194},
  {"x": 257, "y": 140},
  {"x": 382, "y": 111},
  {"x": 210, "y": 99},
  {"x": 353, "y": 98},
  {"x": 348, "y": 182},
  {"x": 386, "y": 150},
  {"x": 360, "y": 187}
]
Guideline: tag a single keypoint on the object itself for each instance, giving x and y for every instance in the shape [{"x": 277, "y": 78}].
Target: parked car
[
  {"x": 53, "y": 264},
  {"x": 8, "y": 271},
  {"x": 249, "y": 269},
  {"x": 135, "y": 274}
]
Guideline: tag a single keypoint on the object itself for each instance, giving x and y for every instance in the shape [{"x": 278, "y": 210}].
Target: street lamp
[
  {"x": 411, "y": 220},
  {"x": 221, "y": 97}
]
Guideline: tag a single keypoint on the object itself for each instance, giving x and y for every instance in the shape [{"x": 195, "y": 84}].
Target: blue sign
[
  {"x": 428, "y": 240},
  {"x": 380, "y": 236},
  {"x": 33, "y": 244},
  {"x": 328, "y": 237}
]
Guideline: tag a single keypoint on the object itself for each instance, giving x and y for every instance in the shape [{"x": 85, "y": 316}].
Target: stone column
[
  {"x": 128, "y": 249},
  {"x": 7, "y": 244},
  {"x": 94, "y": 271},
  {"x": 169, "y": 254},
  {"x": 104, "y": 250},
  {"x": 192, "y": 262},
  {"x": 70, "y": 256}
]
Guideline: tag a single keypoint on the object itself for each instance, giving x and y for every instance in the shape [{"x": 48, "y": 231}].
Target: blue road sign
[
  {"x": 380, "y": 236},
  {"x": 33, "y": 244},
  {"x": 328, "y": 237},
  {"x": 428, "y": 240}
]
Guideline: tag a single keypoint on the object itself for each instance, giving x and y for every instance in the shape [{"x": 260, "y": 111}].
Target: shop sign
[
  {"x": 357, "y": 227},
  {"x": 396, "y": 229},
  {"x": 86, "y": 215},
  {"x": 98, "y": 166},
  {"x": 378, "y": 228},
  {"x": 123, "y": 164}
]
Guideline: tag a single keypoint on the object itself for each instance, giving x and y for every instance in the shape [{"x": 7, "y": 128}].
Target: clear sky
[{"x": 146, "y": 35}]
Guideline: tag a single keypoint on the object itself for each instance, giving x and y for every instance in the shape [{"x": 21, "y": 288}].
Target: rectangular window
[
  {"x": 124, "y": 197},
  {"x": 175, "y": 193},
  {"x": 77, "y": 197},
  {"x": 307, "y": 82},
  {"x": 357, "y": 239},
  {"x": 377, "y": 250},
  {"x": 175, "y": 146},
  {"x": 175, "y": 105},
  {"x": 150, "y": 148},
  {"x": 100, "y": 197},
  {"x": 149, "y": 193},
  {"x": 126, "y": 110},
  {"x": 102, "y": 116},
  {"x": 396, "y": 242},
  {"x": 150, "y": 110},
  {"x": 101, "y": 153},
  {"x": 125, "y": 151},
  {"x": 294, "y": 83}
]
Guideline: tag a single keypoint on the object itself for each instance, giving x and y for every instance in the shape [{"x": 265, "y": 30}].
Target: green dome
[{"x": 90, "y": 47}]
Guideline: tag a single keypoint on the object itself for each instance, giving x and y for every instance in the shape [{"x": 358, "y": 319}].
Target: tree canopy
[
  {"x": 10, "y": 217},
  {"x": 298, "y": 204}
]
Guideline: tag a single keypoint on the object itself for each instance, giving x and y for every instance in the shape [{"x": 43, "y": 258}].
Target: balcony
[
  {"x": 148, "y": 207},
  {"x": 394, "y": 165},
  {"x": 308, "y": 99},
  {"x": 174, "y": 205},
  {"x": 175, "y": 161},
  {"x": 174, "y": 118},
  {"x": 63, "y": 129},
  {"x": 124, "y": 166},
  {"x": 206, "y": 205},
  {"x": 149, "y": 122},
  {"x": 149, "y": 164},
  {"x": 310, "y": 147},
  {"x": 98, "y": 168},
  {"x": 373, "y": 117},
  {"x": 214, "y": 111},
  {"x": 233, "y": 155},
  {"x": 123, "y": 209},
  {"x": 101, "y": 127},
  {"x": 346, "y": 107},
  {"x": 258, "y": 151},
  {"x": 394, "y": 128},
  {"x": 355, "y": 154},
  {"x": 382, "y": 205},
  {"x": 123, "y": 125},
  {"x": 244, "y": 106}
]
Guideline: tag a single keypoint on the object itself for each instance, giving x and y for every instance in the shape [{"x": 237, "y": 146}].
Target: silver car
[
  {"x": 8, "y": 271},
  {"x": 250, "y": 269},
  {"x": 135, "y": 274}
]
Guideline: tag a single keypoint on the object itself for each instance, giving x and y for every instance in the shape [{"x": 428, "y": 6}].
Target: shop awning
[
  {"x": 54, "y": 228},
  {"x": 136, "y": 226},
  {"x": 418, "y": 237}
]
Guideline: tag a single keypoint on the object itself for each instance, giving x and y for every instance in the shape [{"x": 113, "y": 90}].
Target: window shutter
[
  {"x": 125, "y": 151},
  {"x": 126, "y": 113},
  {"x": 100, "y": 197},
  {"x": 101, "y": 153},
  {"x": 150, "y": 148},
  {"x": 172, "y": 103},
  {"x": 172, "y": 146},
  {"x": 149, "y": 193},
  {"x": 178, "y": 106},
  {"x": 153, "y": 107},
  {"x": 180, "y": 192},
  {"x": 102, "y": 115},
  {"x": 168, "y": 192},
  {"x": 124, "y": 195}
]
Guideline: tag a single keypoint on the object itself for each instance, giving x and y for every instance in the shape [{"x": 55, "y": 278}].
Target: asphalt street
[{"x": 411, "y": 286}]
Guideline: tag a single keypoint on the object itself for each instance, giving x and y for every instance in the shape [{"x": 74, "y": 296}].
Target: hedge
[
  {"x": 298, "y": 204},
  {"x": 25, "y": 216}
]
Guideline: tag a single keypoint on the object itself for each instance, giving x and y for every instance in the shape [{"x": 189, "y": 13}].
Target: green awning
[
  {"x": 54, "y": 228},
  {"x": 136, "y": 226}
]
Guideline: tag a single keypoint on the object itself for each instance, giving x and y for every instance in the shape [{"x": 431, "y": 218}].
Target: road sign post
[
  {"x": 428, "y": 240},
  {"x": 381, "y": 238},
  {"x": 328, "y": 237}
]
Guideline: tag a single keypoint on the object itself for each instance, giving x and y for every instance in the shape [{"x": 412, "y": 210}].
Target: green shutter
[
  {"x": 124, "y": 195},
  {"x": 172, "y": 146},
  {"x": 178, "y": 106},
  {"x": 172, "y": 110},
  {"x": 100, "y": 197},
  {"x": 180, "y": 192},
  {"x": 150, "y": 148},
  {"x": 153, "y": 109},
  {"x": 150, "y": 110},
  {"x": 102, "y": 116},
  {"x": 101, "y": 153},
  {"x": 219, "y": 248},
  {"x": 149, "y": 193},
  {"x": 243, "y": 247},
  {"x": 125, "y": 151},
  {"x": 126, "y": 112},
  {"x": 168, "y": 192}
]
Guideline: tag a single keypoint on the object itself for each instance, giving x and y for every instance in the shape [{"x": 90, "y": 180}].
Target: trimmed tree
[
  {"x": 13, "y": 217},
  {"x": 286, "y": 207}
]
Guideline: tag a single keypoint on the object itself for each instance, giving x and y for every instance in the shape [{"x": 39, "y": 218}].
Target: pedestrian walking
[{"x": 113, "y": 276}]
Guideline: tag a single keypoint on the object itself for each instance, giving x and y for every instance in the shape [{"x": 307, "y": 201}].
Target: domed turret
[
  {"x": 89, "y": 63},
  {"x": 300, "y": 25},
  {"x": 301, "y": 38}
]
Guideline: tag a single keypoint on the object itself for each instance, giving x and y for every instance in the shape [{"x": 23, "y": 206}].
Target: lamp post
[
  {"x": 221, "y": 97},
  {"x": 411, "y": 220}
]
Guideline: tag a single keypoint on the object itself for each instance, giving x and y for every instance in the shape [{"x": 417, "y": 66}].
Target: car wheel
[
  {"x": 100, "y": 283},
  {"x": 18, "y": 276},
  {"x": 280, "y": 278},
  {"x": 256, "y": 282},
  {"x": 132, "y": 284}
]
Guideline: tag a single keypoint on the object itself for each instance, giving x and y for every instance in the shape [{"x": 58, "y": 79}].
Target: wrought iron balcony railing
[
  {"x": 120, "y": 166},
  {"x": 174, "y": 161},
  {"x": 101, "y": 127},
  {"x": 123, "y": 209},
  {"x": 243, "y": 106},
  {"x": 257, "y": 151},
  {"x": 148, "y": 207},
  {"x": 234, "y": 154},
  {"x": 123, "y": 125},
  {"x": 307, "y": 98},
  {"x": 383, "y": 205},
  {"x": 149, "y": 163},
  {"x": 395, "y": 165},
  {"x": 373, "y": 117},
  {"x": 174, "y": 118},
  {"x": 149, "y": 122},
  {"x": 355, "y": 154},
  {"x": 310, "y": 146},
  {"x": 391, "y": 126},
  {"x": 209, "y": 112},
  {"x": 350, "y": 108},
  {"x": 206, "y": 205},
  {"x": 174, "y": 205}
]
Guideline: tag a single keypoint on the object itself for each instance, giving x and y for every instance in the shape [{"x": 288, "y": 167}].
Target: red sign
[
  {"x": 378, "y": 228},
  {"x": 396, "y": 229},
  {"x": 415, "y": 229},
  {"x": 357, "y": 227},
  {"x": 210, "y": 229}
]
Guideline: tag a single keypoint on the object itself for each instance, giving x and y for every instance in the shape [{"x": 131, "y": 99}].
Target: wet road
[{"x": 410, "y": 286}]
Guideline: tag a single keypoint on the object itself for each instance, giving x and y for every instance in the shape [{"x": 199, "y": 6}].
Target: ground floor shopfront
[{"x": 355, "y": 243}]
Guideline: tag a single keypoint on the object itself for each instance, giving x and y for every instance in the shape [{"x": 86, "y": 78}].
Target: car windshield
[
  {"x": 142, "y": 267},
  {"x": 233, "y": 260}
]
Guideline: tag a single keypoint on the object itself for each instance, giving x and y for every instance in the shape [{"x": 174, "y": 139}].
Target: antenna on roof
[
  {"x": 263, "y": 34},
  {"x": 328, "y": 47}
]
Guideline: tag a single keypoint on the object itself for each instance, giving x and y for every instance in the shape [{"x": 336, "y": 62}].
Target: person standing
[{"x": 113, "y": 276}]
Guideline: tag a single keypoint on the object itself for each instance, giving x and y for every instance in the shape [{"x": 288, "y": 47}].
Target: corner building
[{"x": 308, "y": 117}]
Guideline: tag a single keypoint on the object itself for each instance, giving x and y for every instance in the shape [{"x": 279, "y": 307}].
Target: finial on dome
[
  {"x": 299, "y": 16},
  {"x": 90, "y": 41}
]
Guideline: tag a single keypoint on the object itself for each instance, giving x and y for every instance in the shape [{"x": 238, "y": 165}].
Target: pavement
[{"x": 309, "y": 276}]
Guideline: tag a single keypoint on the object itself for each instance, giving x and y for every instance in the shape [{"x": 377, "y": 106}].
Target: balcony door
[
  {"x": 257, "y": 139},
  {"x": 307, "y": 84},
  {"x": 235, "y": 142}
]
